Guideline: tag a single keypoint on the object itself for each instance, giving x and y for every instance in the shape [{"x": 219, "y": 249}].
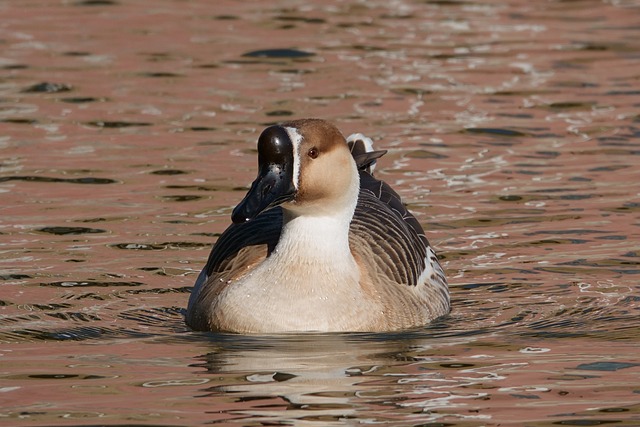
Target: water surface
[{"x": 128, "y": 133}]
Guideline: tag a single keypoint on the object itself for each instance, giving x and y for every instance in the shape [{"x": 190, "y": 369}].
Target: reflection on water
[
  {"x": 414, "y": 378},
  {"x": 513, "y": 134},
  {"x": 419, "y": 379}
]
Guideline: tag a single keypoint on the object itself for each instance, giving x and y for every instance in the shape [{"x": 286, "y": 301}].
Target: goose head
[{"x": 306, "y": 167}]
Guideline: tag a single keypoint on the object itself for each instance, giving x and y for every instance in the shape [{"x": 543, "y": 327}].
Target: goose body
[{"x": 318, "y": 244}]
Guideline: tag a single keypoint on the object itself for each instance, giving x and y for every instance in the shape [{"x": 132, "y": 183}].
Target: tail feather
[{"x": 363, "y": 153}]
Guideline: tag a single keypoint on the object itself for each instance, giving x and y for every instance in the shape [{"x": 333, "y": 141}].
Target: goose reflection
[{"x": 300, "y": 377}]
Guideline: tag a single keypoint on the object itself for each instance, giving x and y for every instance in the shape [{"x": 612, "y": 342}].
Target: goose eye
[{"x": 313, "y": 152}]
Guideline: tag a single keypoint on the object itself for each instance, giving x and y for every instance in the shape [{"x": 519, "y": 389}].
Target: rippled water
[{"x": 128, "y": 132}]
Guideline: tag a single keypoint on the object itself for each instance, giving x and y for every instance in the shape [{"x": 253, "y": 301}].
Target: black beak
[{"x": 274, "y": 184}]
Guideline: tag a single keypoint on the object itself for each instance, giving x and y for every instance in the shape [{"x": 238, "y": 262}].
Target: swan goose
[{"x": 318, "y": 244}]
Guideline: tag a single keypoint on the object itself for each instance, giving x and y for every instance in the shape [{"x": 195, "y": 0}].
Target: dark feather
[{"x": 364, "y": 159}]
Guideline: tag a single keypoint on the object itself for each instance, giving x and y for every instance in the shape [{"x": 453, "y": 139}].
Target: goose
[{"x": 318, "y": 245}]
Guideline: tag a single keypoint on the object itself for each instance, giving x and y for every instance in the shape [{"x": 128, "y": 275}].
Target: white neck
[
  {"x": 317, "y": 235},
  {"x": 312, "y": 241}
]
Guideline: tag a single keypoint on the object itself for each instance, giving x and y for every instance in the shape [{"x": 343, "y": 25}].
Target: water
[{"x": 128, "y": 133}]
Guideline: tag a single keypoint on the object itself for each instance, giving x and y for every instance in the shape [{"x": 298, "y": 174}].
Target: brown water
[{"x": 127, "y": 134}]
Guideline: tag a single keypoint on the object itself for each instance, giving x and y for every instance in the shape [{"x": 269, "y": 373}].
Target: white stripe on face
[{"x": 296, "y": 139}]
